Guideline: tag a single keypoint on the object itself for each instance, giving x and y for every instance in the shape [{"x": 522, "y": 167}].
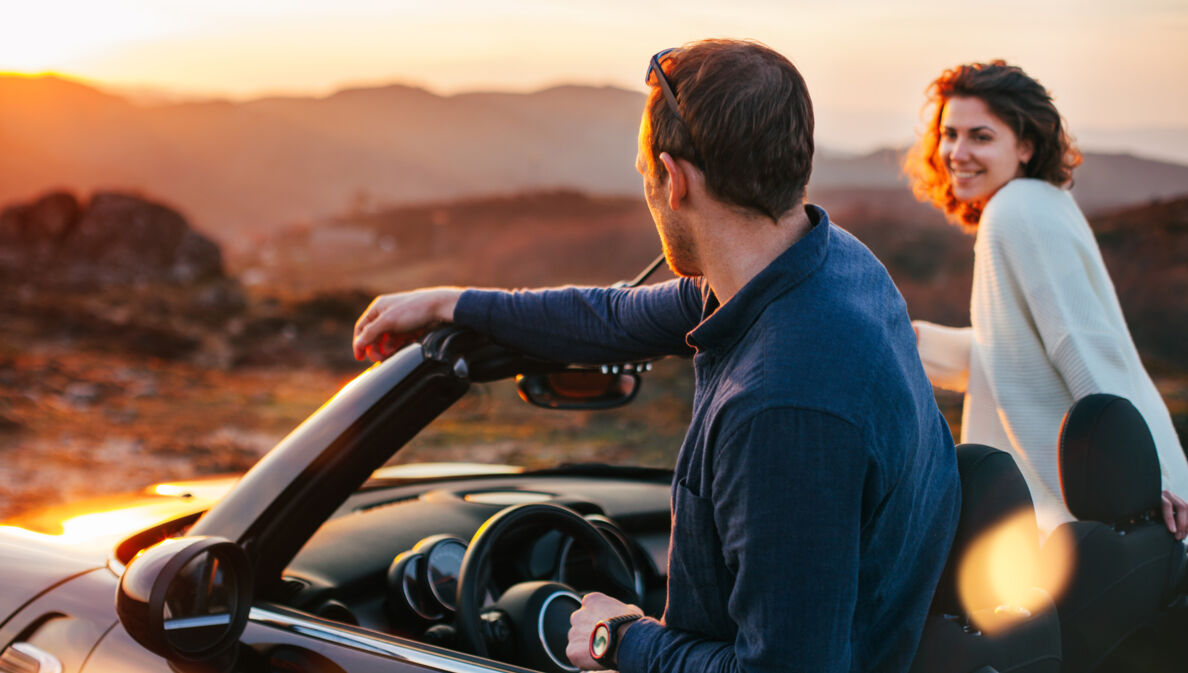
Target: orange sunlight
[
  {"x": 94, "y": 521},
  {"x": 115, "y": 522},
  {"x": 1002, "y": 569},
  {"x": 94, "y": 526}
]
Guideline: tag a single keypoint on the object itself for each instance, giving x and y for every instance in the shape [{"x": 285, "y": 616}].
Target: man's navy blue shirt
[{"x": 816, "y": 495}]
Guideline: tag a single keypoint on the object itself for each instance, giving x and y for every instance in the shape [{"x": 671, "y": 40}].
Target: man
[{"x": 816, "y": 494}]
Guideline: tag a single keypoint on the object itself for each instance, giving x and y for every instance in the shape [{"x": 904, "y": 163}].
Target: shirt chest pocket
[{"x": 699, "y": 583}]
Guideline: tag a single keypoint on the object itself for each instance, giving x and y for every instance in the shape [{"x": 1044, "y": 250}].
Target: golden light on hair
[{"x": 1001, "y": 577}]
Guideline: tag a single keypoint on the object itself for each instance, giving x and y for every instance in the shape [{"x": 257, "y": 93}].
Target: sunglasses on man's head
[{"x": 655, "y": 67}]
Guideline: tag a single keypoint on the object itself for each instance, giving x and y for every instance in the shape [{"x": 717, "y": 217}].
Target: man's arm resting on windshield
[
  {"x": 590, "y": 325},
  {"x": 787, "y": 494}
]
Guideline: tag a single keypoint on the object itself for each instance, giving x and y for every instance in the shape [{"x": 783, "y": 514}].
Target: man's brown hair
[{"x": 750, "y": 117}]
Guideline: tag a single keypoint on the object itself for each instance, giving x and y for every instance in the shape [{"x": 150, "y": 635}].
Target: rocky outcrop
[
  {"x": 118, "y": 273},
  {"x": 122, "y": 274},
  {"x": 115, "y": 239}
]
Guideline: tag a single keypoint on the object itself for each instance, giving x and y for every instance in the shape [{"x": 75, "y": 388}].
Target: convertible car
[{"x": 328, "y": 555}]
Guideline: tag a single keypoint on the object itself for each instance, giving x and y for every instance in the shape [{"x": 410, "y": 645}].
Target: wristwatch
[{"x": 604, "y": 640}]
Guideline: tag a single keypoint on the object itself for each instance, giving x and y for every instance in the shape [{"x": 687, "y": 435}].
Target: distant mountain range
[{"x": 239, "y": 169}]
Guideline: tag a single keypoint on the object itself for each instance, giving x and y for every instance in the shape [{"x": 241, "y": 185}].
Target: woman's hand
[
  {"x": 1175, "y": 514},
  {"x": 394, "y": 320}
]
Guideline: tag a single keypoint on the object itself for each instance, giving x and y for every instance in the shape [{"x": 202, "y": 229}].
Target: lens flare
[{"x": 1001, "y": 578}]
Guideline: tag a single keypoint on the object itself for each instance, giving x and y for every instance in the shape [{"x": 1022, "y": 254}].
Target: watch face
[{"x": 599, "y": 641}]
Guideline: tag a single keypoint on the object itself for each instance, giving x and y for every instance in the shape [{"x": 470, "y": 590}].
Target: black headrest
[
  {"x": 992, "y": 491},
  {"x": 1109, "y": 470}
]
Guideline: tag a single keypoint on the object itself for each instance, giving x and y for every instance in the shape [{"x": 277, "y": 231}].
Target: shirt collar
[{"x": 722, "y": 326}]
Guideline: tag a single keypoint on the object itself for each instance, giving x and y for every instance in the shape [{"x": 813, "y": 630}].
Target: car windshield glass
[{"x": 492, "y": 425}]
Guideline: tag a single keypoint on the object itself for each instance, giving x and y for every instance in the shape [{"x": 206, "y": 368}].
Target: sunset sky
[{"x": 1111, "y": 65}]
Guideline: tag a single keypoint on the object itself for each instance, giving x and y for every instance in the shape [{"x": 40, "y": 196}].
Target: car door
[{"x": 282, "y": 639}]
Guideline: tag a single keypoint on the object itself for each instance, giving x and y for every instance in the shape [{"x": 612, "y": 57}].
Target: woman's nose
[{"x": 958, "y": 150}]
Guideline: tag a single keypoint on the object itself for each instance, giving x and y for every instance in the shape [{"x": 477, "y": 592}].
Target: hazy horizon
[
  {"x": 1111, "y": 68},
  {"x": 1164, "y": 143}
]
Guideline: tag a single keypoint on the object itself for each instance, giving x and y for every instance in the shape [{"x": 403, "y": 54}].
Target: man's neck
[{"x": 735, "y": 248}]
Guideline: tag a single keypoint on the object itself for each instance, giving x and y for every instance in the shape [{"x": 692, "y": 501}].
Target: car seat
[
  {"x": 974, "y": 631},
  {"x": 1126, "y": 565}
]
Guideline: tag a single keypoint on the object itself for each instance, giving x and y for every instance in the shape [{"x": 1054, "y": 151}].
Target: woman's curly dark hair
[{"x": 1020, "y": 102}]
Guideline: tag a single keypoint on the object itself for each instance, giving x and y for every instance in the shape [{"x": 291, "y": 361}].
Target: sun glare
[
  {"x": 1003, "y": 569},
  {"x": 54, "y": 35},
  {"x": 94, "y": 526},
  {"x": 102, "y": 524}
]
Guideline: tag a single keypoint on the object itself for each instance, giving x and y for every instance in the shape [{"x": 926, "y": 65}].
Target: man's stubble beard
[{"x": 680, "y": 250}]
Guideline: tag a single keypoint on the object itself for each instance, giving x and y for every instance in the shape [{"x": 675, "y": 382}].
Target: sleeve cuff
[
  {"x": 473, "y": 309},
  {"x": 633, "y": 648},
  {"x": 945, "y": 353}
]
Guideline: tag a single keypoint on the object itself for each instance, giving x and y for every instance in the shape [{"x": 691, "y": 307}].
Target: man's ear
[{"x": 678, "y": 182}]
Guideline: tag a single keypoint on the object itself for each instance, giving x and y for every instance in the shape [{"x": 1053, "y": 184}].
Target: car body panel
[
  {"x": 32, "y": 566},
  {"x": 67, "y": 620}
]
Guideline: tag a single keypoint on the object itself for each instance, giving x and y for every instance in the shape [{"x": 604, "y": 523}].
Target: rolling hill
[{"x": 261, "y": 165}]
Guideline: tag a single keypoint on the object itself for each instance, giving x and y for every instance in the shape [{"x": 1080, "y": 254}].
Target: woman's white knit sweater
[{"x": 1047, "y": 331}]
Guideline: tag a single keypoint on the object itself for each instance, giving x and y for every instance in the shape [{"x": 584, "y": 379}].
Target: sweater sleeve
[
  {"x": 1047, "y": 248},
  {"x": 787, "y": 503},
  {"x": 590, "y": 325},
  {"x": 945, "y": 353}
]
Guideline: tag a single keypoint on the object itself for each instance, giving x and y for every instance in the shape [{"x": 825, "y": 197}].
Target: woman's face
[{"x": 979, "y": 151}]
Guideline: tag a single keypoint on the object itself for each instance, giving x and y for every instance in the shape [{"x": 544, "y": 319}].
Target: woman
[{"x": 1047, "y": 328}]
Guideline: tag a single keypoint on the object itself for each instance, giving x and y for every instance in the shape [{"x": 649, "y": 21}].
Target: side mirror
[
  {"x": 186, "y": 599},
  {"x": 603, "y": 388}
]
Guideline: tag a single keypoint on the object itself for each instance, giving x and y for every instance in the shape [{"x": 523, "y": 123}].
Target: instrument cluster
[{"x": 424, "y": 579}]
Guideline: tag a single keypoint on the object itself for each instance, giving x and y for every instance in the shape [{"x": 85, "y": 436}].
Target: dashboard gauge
[
  {"x": 406, "y": 587},
  {"x": 443, "y": 562}
]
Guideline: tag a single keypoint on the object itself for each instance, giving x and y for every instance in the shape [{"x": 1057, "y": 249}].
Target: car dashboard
[{"x": 388, "y": 560}]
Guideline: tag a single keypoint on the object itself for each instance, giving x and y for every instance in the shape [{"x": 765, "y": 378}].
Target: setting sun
[
  {"x": 217, "y": 48},
  {"x": 54, "y": 36}
]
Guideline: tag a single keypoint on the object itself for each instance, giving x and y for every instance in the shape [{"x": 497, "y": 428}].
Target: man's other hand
[
  {"x": 394, "y": 320},
  {"x": 595, "y": 608}
]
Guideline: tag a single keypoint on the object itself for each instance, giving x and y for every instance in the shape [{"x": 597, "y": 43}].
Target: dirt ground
[
  {"x": 89, "y": 424},
  {"x": 76, "y": 424}
]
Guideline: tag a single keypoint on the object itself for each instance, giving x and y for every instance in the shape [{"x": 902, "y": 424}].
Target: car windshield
[
  {"x": 492, "y": 425},
  {"x": 234, "y": 418}
]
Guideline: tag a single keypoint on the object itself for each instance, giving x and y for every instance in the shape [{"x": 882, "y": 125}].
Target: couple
[{"x": 816, "y": 493}]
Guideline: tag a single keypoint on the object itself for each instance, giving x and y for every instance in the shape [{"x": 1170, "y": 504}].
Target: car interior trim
[{"x": 327, "y": 633}]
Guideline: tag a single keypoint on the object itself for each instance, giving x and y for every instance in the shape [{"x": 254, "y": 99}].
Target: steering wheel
[{"x": 538, "y": 611}]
